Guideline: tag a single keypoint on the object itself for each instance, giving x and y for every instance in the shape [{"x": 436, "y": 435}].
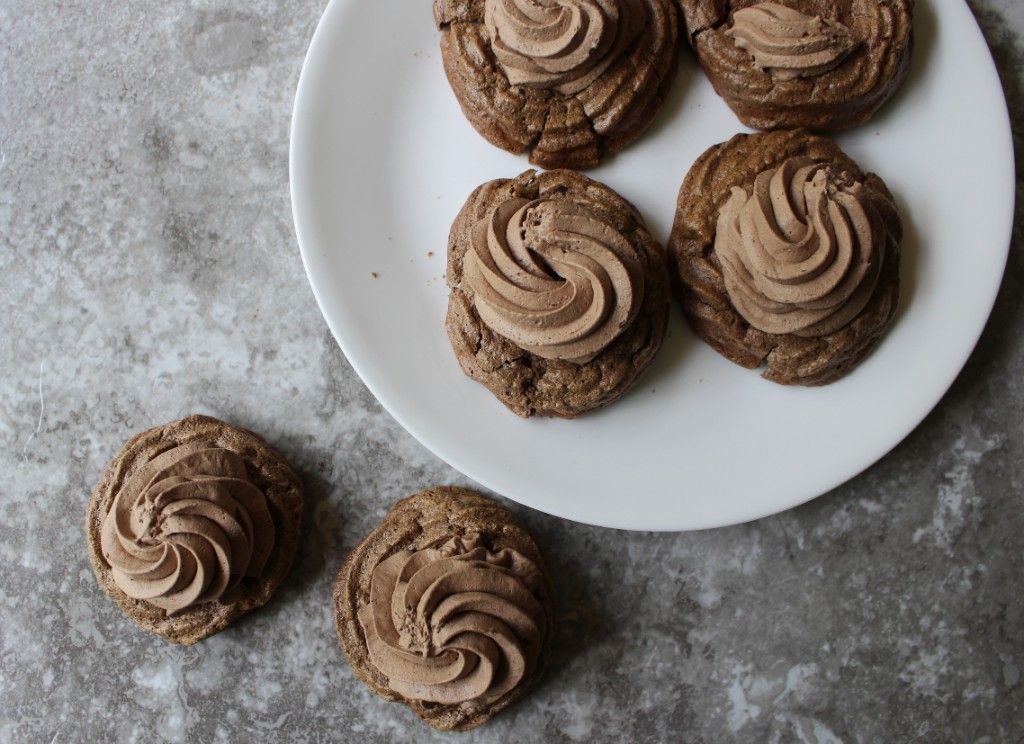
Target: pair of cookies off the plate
[
  {"x": 572, "y": 81},
  {"x": 445, "y": 606},
  {"x": 783, "y": 255}
]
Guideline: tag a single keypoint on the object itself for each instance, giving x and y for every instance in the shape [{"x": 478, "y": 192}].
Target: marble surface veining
[{"x": 148, "y": 269}]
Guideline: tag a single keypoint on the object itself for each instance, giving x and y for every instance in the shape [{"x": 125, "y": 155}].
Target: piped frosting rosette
[
  {"x": 802, "y": 252},
  {"x": 186, "y": 528},
  {"x": 564, "y": 45},
  {"x": 788, "y": 43},
  {"x": 454, "y": 622},
  {"x": 553, "y": 277}
]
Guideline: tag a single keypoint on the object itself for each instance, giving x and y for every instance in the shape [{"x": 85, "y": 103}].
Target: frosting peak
[
  {"x": 560, "y": 44},
  {"x": 186, "y": 528},
  {"x": 454, "y": 622},
  {"x": 802, "y": 253},
  {"x": 788, "y": 43},
  {"x": 553, "y": 277}
]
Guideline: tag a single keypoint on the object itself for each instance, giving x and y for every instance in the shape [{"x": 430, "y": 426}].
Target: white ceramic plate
[{"x": 382, "y": 159}]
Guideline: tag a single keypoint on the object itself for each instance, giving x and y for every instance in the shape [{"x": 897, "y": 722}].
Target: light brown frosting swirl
[
  {"x": 454, "y": 622},
  {"x": 802, "y": 253},
  {"x": 553, "y": 277},
  {"x": 788, "y": 43},
  {"x": 187, "y": 527},
  {"x": 563, "y": 45}
]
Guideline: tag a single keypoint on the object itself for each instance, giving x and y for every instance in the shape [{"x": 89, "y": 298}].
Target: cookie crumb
[
  {"x": 430, "y": 254},
  {"x": 374, "y": 274}
]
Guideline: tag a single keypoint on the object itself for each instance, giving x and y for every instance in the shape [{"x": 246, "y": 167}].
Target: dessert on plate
[
  {"x": 568, "y": 81},
  {"x": 802, "y": 63},
  {"x": 786, "y": 255},
  {"x": 446, "y": 607},
  {"x": 193, "y": 524},
  {"x": 559, "y": 294}
]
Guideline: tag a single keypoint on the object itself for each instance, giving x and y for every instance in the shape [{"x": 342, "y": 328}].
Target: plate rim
[{"x": 470, "y": 471}]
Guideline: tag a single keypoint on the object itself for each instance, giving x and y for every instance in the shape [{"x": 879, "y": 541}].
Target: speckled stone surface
[{"x": 148, "y": 270}]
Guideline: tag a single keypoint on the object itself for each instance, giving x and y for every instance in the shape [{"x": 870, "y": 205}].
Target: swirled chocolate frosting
[
  {"x": 455, "y": 622},
  {"x": 187, "y": 527},
  {"x": 553, "y": 277},
  {"x": 563, "y": 45},
  {"x": 802, "y": 253},
  {"x": 788, "y": 43}
]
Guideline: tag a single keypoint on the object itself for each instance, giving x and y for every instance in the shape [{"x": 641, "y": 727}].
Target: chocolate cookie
[
  {"x": 446, "y": 607},
  {"x": 786, "y": 255},
  {"x": 559, "y": 294},
  {"x": 802, "y": 63},
  {"x": 193, "y": 524},
  {"x": 568, "y": 81}
]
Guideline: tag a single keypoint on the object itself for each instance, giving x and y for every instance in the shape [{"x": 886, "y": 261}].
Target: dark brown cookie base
[
  {"x": 788, "y": 359},
  {"x": 838, "y": 99},
  {"x": 554, "y": 129},
  {"x": 268, "y": 471},
  {"x": 414, "y": 523},
  {"x": 529, "y": 384}
]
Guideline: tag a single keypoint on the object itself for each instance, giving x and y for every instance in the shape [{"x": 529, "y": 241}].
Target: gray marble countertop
[{"x": 149, "y": 270}]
